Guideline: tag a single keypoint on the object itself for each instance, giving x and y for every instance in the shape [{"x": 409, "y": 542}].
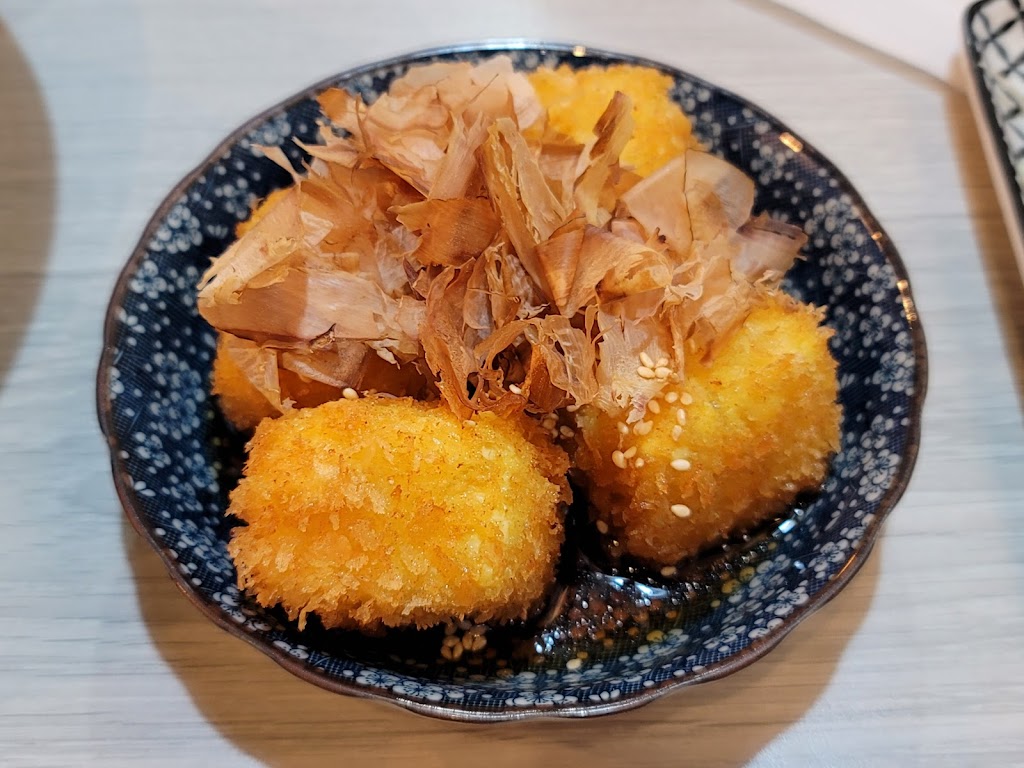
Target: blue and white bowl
[{"x": 174, "y": 459}]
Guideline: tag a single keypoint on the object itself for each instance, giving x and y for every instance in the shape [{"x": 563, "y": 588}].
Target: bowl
[{"x": 174, "y": 459}]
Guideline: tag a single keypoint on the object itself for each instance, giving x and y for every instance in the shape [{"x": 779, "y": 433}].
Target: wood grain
[{"x": 103, "y": 106}]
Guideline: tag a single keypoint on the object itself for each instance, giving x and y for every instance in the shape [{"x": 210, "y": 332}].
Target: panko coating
[
  {"x": 575, "y": 99},
  {"x": 393, "y": 512},
  {"x": 732, "y": 446}
]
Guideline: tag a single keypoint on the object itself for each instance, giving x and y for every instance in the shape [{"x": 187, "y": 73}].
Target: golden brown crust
[
  {"x": 761, "y": 427},
  {"x": 385, "y": 511}
]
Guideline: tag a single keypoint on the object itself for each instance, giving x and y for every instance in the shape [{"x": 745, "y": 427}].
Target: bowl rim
[{"x": 739, "y": 660}]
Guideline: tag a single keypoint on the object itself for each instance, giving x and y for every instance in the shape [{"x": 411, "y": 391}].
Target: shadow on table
[
  {"x": 282, "y": 720},
  {"x": 1000, "y": 265},
  {"x": 27, "y": 176}
]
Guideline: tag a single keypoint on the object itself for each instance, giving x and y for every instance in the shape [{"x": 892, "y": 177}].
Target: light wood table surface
[{"x": 105, "y": 105}]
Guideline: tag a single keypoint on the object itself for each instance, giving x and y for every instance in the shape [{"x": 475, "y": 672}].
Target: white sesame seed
[
  {"x": 643, "y": 427},
  {"x": 489, "y": 453},
  {"x": 572, "y": 408},
  {"x": 677, "y": 432},
  {"x": 644, "y": 372},
  {"x": 680, "y": 415},
  {"x": 686, "y": 399},
  {"x": 680, "y": 510},
  {"x": 680, "y": 465},
  {"x": 623, "y": 428},
  {"x": 639, "y": 463},
  {"x": 661, "y": 361},
  {"x": 619, "y": 459},
  {"x": 654, "y": 406},
  {"x": 566, "y": 432},
  {"x": 602, "y": 526},
  {"x": 349, "y": 394},
  {"x": 574, "y": 664},
  {"x": 630, "y": 452},
  {"x": 662, "y": 372},
  {"x": 646, "y": 360},
  {"x": 669, "y": 570},
  {"x": 515, "y": 389},
  {"x": 671, "y": 397}
]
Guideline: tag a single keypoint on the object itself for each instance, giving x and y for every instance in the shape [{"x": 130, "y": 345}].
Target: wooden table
[{"x": 104, "y": 105}]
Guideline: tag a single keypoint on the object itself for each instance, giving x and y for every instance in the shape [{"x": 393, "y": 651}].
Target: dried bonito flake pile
[{"x": 448, "y": 240}]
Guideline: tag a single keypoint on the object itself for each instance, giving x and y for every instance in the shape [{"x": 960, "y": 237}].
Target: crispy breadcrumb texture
[
  {"x": 393, "y": 512},
  {"x": 575, "y": 99},
  {"x": 731, "y": 447}
]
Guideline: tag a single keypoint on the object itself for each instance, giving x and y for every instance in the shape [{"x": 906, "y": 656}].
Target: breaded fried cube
[
  {"x": 576, "y": 98},
  {"x": 730, "y": 447},
  {"x": 392, "y": 512},
  {"x": 245, "y": 406}
]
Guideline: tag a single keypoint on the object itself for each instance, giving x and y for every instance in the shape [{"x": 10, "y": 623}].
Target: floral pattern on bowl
[{"x": 613, "y": 639}]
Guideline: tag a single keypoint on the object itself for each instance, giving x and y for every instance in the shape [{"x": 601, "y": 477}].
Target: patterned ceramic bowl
[{"x": 174, "y": 460}]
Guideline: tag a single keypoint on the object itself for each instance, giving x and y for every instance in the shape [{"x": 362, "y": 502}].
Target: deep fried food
[
  {"x": 757, "y": 427},
  {"x": 245, "y": 405},
  {"x": 384, "y": 511},
  {"x": 576, "y": 98}
]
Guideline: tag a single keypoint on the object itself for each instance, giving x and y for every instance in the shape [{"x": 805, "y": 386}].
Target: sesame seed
[
  {"x": 489, "y": 453},
  {"x": 515, "y": 389},
  {"x": 465, "y": 624},
  {"x": 619, "y": 459},
  {"x": 654, "y": 406},
  {"x": 644, "y": 372},
  {"x": 680, "y": 415},
  {"x": 639, "y": 463},
  {"x": 680, "y": 465},
  {"x": 643, "y": 427},
  {"x": 630, "y": 452},
  {"x": 680, "y": 510},
  {"x": 661, "y": 361},
  {"x": 662, "y": 372},
  {"x": 451, "y": 641},
  {"x": 349, "y": 394},
  {"x": 623, "y": 428},
  {"x": 646, "y": 360},
  {"x": 669, "y": 570},
  {"x": 671, "y": 397},
  {"x": 573, "y": 664},
  {"x": 677, "y": 432},
  {"x": 572, "y": 408},
  {"x": 479, "y": 643},
  {"x": 602, "y": 526},
  {"x": 686, "y": 399},
  {"x": 565, "y": 432}
]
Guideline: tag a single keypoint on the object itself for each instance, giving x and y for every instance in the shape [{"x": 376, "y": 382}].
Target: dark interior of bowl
[{"x": 613, "y": 636}]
